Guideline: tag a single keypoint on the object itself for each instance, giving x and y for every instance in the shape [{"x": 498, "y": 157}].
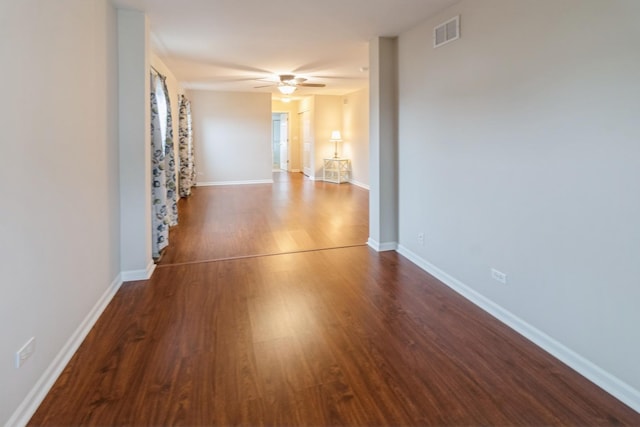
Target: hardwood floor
[
  {"x": 343, "y": 336},
  {"x": 293, "y": 214}
]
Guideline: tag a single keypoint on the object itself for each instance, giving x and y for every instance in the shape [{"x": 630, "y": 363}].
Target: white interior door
[
  {"x": 305, "y": 129},
  {"x": 275, "y": 141},
  {"x": 284, "y": 141}
]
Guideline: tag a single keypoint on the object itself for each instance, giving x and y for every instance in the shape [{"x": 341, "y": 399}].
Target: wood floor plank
[
  {"x": 342, "y": 336},
  {"x": 293, "y": 214}
]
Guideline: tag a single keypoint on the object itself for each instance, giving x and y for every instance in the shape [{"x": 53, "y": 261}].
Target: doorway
[
  {"x": 305, "y": 130},
  {"x": 280, "y": 142}
]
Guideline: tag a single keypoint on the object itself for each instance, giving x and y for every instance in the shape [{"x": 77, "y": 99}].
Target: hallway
[{"x": 269, "y": 309}]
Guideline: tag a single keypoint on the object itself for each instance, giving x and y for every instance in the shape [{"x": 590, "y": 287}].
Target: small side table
[{"x": 336, "y": 170}]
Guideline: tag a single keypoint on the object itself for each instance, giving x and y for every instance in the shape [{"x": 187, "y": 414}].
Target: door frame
[{"x": 288, "y": 136}]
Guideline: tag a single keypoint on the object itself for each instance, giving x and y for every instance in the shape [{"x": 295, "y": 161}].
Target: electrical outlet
[
  {"x": 499, "y": 276},
  {"x": 421, "y": 238},
  {"x": 25, "y": 352}
]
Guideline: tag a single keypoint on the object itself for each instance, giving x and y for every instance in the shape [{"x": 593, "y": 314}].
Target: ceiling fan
[{"x": 289, "y": 83}]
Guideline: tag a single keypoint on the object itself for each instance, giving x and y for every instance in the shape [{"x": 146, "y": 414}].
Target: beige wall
[
  {"x": 519, "y": 150},
  {"x": 60, "y": 211},
  {"x": 355, "y": 132},
  {"x": 350, "y": 115},
  {"x": 239, "y": 118},
  {"x": 232, "y": 136},
  {"x": 306, "y": 105},
  {"x": 327, "y": 117}
]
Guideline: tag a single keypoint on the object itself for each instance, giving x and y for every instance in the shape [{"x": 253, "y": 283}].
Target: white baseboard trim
[
  {"x": 32, "y": 401},
  {"x": 218, "y": 183},
  {"x": 132, "y": 275},
  {"x": 295, "y": 171},
  {"x": 359, "y": 184},
  {"x": 613, "y": 385},
  {"x": 382, "y": 247}
]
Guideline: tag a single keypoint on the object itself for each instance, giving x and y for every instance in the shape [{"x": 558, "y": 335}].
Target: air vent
[{"x": 447, "y": 32}]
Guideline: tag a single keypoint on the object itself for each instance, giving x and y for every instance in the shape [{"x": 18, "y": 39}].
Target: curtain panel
[
  {"x": 159, "y": 219},
  {"x": 170, "y": 162},
  {"x": 187, "y": 154}
]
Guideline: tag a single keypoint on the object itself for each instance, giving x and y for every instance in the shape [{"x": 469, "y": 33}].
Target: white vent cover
[{"x": 447, "y": 32}]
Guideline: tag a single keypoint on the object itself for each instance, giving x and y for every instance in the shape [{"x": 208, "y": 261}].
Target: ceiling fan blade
[
  {"x": 312, "y": 84},
  {"x": 237, "y": 67},
  {"x": 363, "y": 77},
  {"x": 230, "y": 79},
  {"x": 260, "y": 87}
]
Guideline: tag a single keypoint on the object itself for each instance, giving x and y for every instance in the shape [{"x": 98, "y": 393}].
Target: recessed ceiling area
[{"x": 236, "y": 45}]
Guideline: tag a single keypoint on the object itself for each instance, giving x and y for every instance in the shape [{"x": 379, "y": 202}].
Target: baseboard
[
  {"x": 359, "y": 184},
  {"x": 295, "y": 171},
  {"x": 611, "y": 384},
  {"x": 30, "y": 404},
  {"x": 382, "y": 247},
  {"x": 218, "y": 183},
  {"x": 132, "y": 275}
]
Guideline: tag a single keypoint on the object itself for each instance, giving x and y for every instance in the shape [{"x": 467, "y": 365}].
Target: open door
[
  {"x": 275, "y": 141},
  {"x": 284, "y": 141},
  {"x": 305, "y": 129}
]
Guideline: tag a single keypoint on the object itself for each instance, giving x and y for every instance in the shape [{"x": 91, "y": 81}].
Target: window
[{"x": 162, "y": 112}]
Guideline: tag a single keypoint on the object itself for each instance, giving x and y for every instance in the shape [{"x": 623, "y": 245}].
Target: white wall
[
  {"x": 232, "y": 136},
  {"x": 383, "y": 143},
  {"x": 520, "y": 150},
  {"x": 59, "y": 178},
  {"x": 135, "y": 145},
  {"x": 355, "y": 132}
]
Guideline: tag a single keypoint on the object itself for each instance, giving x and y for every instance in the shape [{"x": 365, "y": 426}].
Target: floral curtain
[
  {"x": 164, "y": 195},
  {"x": 187, "y": 161},
  {"x": 170, "y": 162},
  {"x": 160, "y": 219}
]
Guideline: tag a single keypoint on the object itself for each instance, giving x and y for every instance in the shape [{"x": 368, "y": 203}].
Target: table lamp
[{"x": 335, "y": 138}]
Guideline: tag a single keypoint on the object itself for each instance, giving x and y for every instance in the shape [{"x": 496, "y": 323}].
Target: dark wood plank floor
[
  {"x": 341, "y": 336},
  {"x": 293, "y": 214}
]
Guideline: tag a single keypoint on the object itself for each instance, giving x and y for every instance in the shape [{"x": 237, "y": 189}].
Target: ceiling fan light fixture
[{"x": 286, "y": 89}]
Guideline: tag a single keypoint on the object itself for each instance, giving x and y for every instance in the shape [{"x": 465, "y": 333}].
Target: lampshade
[{"x": 286, "y": 89}]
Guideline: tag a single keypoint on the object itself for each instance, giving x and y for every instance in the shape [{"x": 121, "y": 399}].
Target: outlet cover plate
[
  {"x": 25, "y": 352},
  {"x": 499, "y": 276}
]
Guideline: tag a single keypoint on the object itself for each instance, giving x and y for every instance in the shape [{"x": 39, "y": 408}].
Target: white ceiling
[{"x": 228, "y": 45}]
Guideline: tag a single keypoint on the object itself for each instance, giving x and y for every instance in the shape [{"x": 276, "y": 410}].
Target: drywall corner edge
[
  {"x": 382, "y": 246},
  {"x": 144, "y": 274}
]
